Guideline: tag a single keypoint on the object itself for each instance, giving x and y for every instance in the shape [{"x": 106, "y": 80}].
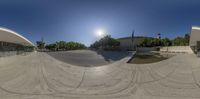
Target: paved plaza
[
  {"x": 88, "y": 58},
  {"x": 40, "y": 76}
]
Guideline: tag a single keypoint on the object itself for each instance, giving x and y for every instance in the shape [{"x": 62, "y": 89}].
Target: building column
[{"x": 1, "y": 45}]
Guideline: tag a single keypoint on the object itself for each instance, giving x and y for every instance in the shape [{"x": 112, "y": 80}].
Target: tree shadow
[{"x": 112, "y": 55}]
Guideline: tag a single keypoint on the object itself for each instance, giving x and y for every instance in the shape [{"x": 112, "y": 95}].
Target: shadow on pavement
[
  {"x": 112, "y": 55},
  {"x": 88, "y": 58}
]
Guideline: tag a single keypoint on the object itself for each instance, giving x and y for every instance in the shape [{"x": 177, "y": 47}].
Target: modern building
[
  {"x": 127, "y": 43},
  {"x": 13, "y": 42},
  {"x": 195, "y": 38}
]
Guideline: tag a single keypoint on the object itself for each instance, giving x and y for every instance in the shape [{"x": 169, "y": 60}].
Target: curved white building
[
  {"x": 10, "y": 36},
  {"x": 12, "y": 43}
]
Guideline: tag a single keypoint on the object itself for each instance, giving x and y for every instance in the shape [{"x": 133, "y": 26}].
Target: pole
[
  {"x": 134, "y": 46},
  {"x": 133, "y": 39}
]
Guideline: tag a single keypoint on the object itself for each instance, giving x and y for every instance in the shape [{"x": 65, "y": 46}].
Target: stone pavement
[
  {"x": 39, "y": 76},
  {"x": 88, "y": 58}
]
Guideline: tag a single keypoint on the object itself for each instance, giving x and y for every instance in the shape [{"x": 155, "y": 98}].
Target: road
[{"x": 40, "y": 76}]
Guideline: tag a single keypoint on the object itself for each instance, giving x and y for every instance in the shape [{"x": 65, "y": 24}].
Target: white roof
[
  {"x": 7, "y": 35},
  {"x": 196, "y": 27}
]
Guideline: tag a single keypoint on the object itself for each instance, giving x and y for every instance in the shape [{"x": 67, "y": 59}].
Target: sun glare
[{"x": 100, "y": 32}]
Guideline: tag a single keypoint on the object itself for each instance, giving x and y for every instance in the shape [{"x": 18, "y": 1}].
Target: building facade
[
  {"x": 13, "y": 43},
  {"x": 127, "y": 43},
  {"x": 195, "y": 39}
]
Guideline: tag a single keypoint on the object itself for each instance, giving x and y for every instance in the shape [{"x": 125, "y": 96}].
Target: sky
[{"x": 78, "y": 20}]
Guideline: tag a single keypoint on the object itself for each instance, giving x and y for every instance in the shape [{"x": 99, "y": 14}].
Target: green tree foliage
[
  {"x": 62, "y": 45},
  {"x": 106, "y": 42},
  {"x": 146, "y": 42},
  {"x": 150, "y": 42},
  {"x": 74, "y": 46},
  {"x": 187, "y": 37},
  {"x": 40, "y": 44},
  {"x": 51, "y": 47},
  {"x": 166, "y": 42},
  {"x": 178, "y": 41}
]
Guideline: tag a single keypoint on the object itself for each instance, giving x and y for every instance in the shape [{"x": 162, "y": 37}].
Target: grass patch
[{"x": 147, "y": 58}]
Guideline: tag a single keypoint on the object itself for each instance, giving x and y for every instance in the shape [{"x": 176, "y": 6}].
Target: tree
[
  {"x": 150, "y": 42},
  {"x": 52, "y": 47},
  {"x": 156, "y": 42},
  {"x": 107, "y": 42},
  {"x": 180, "y": 41},
  {"x": 146, "y": 42},
  {"x": 187, "y": 37},
  {"x": 40, "y": 44},
  {"x": 62, "y": 45},
  {"x": 95, "y": 45},
  {"x": 166, "y": 42}
]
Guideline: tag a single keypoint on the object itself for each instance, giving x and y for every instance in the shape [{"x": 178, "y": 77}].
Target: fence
[{"x": 146, "y": 49}]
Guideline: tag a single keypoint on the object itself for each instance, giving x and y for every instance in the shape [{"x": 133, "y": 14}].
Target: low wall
[
  {"x": 177, "y": 49},
  {"x": 146, "y": 49},
  {"x": 12, "y": 53}
]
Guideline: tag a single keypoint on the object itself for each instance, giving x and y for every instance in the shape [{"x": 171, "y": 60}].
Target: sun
[{"x": 100, "y": 32}]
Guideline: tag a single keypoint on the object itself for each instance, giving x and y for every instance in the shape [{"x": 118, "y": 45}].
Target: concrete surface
[
  {"x": 39, "y": 76},
  {"x": 88, "y": 58}
]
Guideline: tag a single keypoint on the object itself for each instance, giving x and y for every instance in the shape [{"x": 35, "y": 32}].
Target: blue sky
[{"x": 77, "y": 20}]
